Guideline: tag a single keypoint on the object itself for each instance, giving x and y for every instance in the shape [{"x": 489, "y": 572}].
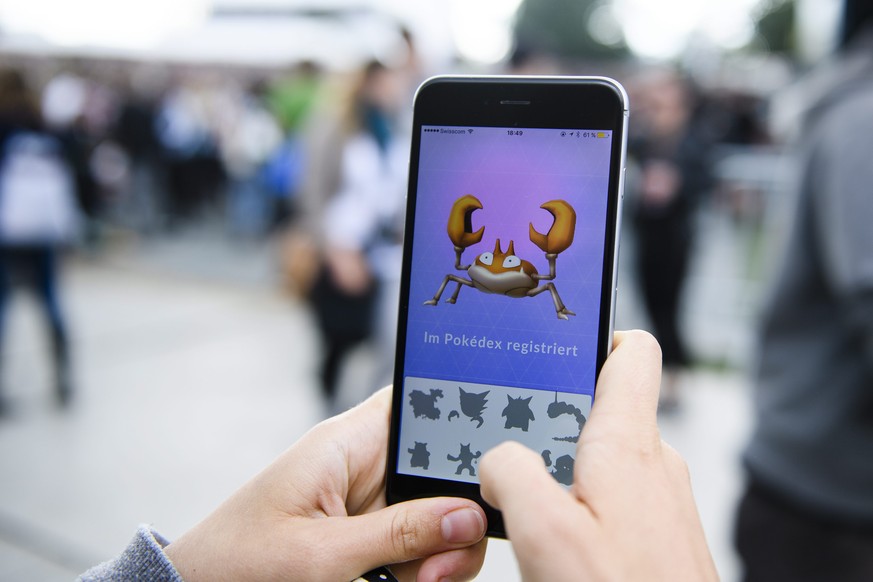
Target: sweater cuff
[{"x": 143, "y": 559}]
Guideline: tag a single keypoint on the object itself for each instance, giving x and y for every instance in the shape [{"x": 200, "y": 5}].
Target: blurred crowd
[
  {"x": 316, "y": 160},
  {"x": 153, "y": 149}
]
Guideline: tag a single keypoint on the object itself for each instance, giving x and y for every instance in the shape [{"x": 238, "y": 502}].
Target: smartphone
[{"x": 508, "y": 287}]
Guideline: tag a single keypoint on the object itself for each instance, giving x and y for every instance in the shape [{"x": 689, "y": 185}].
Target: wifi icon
[{"x": 469, "y": 131}]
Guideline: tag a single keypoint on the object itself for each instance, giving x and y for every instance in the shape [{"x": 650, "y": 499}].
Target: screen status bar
[{"x": 514, "y": 131}]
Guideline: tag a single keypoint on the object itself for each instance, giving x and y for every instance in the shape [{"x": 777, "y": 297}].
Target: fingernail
[{"x": 463, "y": 526}]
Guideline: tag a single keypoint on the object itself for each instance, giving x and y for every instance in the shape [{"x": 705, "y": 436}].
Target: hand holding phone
[
  {"x": 318, "y": 513},
  {"x": 630, "y": 514}
]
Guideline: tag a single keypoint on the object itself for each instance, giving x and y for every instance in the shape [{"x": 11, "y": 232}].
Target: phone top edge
[{"x": 544, "y": 79}]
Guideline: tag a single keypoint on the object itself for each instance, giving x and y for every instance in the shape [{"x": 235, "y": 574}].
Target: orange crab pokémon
[{"x": 503, "y": 272}]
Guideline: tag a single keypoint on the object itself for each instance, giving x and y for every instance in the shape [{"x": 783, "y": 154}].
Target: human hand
[
  {"x": 630, "y": 514},
  {"x": 318, "y": 513}
]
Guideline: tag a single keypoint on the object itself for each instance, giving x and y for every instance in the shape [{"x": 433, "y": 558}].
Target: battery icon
[{"x": 602, "y": 134}]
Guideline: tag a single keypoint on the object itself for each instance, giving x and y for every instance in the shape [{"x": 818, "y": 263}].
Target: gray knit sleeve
[{"x": 143, "y": 559}]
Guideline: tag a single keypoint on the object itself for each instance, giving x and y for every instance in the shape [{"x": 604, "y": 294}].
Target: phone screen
[{"x": 514, "y": 356}]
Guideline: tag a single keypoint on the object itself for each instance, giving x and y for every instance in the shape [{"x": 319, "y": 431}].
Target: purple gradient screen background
[{"x": 512, "y": 176}]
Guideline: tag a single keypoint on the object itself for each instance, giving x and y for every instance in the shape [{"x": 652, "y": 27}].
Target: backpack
[{"x": 37, "y": 191}]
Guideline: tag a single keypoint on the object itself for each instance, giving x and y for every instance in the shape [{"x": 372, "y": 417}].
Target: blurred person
[
  {"x": 261, "y": 169},
  {"x": 79, "y": 144},
  {"x": 135, "y": 132},
  {"x": 807, "y": 511},
  {"x": 64, "y": 99},
  {"x": 291, "y": 100},
  {"x": 674, "y": 171},
  {"x": 737, "y": 123},
  {"x": 76, "y": 109},
  {"x": 357, "y": 291},
  {"x": 187, "y": 133},
  {"x": 409, "y": 62},
  {"x": 318, "y": 512},
  {"x": 38, "y": 215}
]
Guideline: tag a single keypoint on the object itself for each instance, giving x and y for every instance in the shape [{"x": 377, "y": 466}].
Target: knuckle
[
  {"x": 649, "y": 457},
  {"x": 315, "y": 550},
  {"x": 406, "y": 535},
  {"x": 649, "y": 450}
]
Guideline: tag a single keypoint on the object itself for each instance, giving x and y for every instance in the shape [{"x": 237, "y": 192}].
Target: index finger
[{"x": 515, "y": 481}]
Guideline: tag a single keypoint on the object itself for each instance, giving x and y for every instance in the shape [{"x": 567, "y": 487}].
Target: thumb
[
  {"x": 626, "y": 400},
  {"x": 407, "y": 531}
]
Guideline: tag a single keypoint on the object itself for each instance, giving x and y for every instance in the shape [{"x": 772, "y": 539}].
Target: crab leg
[
  {"x": 456, "y": 279},
  {"x": 458, "y": 265},
  {"x": 560, "y": 308},
  {"x": 551, "y": 257}
]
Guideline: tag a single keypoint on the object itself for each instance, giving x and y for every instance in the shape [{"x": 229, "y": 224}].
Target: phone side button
[
  {"x": 623, "y": 181},
  {"x": 612, "y": 310}
]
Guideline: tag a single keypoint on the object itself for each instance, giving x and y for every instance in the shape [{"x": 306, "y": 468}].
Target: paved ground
[{"x": 193, "y": 376}]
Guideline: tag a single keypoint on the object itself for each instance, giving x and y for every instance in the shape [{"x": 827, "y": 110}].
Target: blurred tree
[
  {"x": 562, "y": 28},
  {"x": 775, "y": 24}
]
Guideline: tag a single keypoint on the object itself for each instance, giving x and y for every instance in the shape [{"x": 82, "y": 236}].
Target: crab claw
[
  {"x": 560, "y": 235},
  {"x": 460, "y": 225}
]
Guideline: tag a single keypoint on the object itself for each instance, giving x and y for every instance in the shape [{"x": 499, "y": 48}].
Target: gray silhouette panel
[
  {"x": 563, "y": 471},
  {"x": 472, "y": 405},
  {"x": 424, "y": 404},
  {"x": 465, "y": 458},
  {"x": 420, "y": 456},
  {"x": 557, "y": 409},
  {"x": 518, "y": 413}
]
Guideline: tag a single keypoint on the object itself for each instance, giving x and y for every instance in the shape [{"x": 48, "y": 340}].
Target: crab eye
[
  {"x": 511, "y": 261},
  {"x": 486, "y": 258}
]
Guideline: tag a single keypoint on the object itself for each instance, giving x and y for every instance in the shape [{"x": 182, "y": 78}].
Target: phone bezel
[{"x": 595, "y": 103}]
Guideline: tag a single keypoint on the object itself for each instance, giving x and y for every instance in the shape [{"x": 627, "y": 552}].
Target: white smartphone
[{"x": 509, "y": 275}]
